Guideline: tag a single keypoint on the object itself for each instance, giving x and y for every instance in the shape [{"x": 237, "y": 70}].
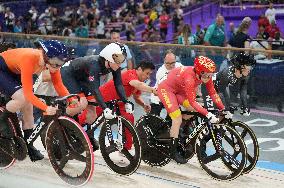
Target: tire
[
  {"x": 6, "y": 160},
  {"x": 63, "y": 140},
  {"x": 224, "y": 134},
  {"x": 252, "y": 154},
  {"x": 153, "y": 154},
  {"x": 108, "y": 149}
]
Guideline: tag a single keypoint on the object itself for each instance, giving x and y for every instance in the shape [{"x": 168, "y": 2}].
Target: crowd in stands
[{"x": 96, "y": 21}]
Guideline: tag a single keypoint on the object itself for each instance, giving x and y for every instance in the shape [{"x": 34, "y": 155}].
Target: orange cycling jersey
[
  {"x": 26, "y": 62},
  {"x": 180, "y": 87}
]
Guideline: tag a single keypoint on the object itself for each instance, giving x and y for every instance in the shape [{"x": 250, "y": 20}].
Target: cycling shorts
[
  {"x": 9, "y": 81},
  {"x": 171, "y": 100}
]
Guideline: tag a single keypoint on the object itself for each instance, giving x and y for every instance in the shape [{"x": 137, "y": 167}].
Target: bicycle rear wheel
[
  {"x": 247, "y": 134},
  {"x": 153, "y": 154},
  {"x": 65, "y": 141},
  {"x": 113, "y": 146},
  {"x": 5, "y": 160},
  {"x": 215, "y": 149}
]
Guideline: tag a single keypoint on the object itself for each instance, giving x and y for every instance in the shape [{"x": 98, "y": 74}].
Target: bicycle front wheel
[
  {"x": 250, "y": 139},
  {"x": 120, "y": 156},
  {"x": 216, "y": 148},
  {"x": 70, "y": 151}
]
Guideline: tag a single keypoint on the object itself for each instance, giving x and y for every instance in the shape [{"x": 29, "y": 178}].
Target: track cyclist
[
  {"x": 82, "y": 76},
  {"x": 180, "y": 89},
  {"x": 133, "y": 83},
  {"x": 17, "y": 67},
  {"x": 236, "y": 74}
]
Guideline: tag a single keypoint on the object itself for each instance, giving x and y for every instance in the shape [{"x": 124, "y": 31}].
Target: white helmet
[{"x": 112, "y": 48}]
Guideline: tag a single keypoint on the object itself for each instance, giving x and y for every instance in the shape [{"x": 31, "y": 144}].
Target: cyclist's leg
[
  {"x": 129, "y": 117},
  {"x": 10, "y": 86},
  {"x": 28, "y": 125},
  {"x": 169, "y": 100}
]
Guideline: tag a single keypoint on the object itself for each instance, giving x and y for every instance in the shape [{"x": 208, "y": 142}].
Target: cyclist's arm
[
  {"x": 93, "y": 86},
  {"x": 118, "y": 85},
  {"x": 138, "y": 99},
  {"x": 141, "y": 86},
  {"x": 27, "y": 84},
  {"x": 191, "y": 95},
  {"x": 244, "y": 92},
  {"x": 58, "y": 84},
  {"x": 213, "y": 94}
]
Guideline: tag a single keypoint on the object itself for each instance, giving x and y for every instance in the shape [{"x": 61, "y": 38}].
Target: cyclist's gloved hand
[
  {"x": 108, "y": 114},
  {"x": 129, "y": 108},
  {"x": 50, "y": 110},
  {"x": 212, "y": 118},
  {"x": 245, "y": 112},
  {"x": 228, "y": 114}
]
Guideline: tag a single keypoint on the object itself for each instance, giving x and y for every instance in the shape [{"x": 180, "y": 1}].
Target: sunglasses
[
  {"x": 57, "y": 62},
  {"x": 206, "y": 75},
  {"x": 170, "y": 63}
]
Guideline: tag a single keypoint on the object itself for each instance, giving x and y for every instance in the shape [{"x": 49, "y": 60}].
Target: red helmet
[{"x": 203, "y": 64}]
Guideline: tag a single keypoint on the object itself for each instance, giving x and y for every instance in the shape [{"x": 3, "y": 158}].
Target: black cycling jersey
[
  {"x": 227, "y": 77},
  {"x": 83, "y": 75}
]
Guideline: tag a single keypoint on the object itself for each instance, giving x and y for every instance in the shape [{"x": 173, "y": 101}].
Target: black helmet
[{"x": 242, "y": 59}]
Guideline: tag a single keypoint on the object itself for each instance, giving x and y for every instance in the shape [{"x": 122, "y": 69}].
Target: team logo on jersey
[
  {"x": 166, "y": 98},
  {"x": 91, "y": 78}
]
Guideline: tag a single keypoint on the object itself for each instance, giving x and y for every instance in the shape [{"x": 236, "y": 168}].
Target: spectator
[
  {"x": 130, "y": 32},
  {"x": 81, "y": 31},
  {"x": 186, "y": 37},
  {"x": 9, "y": 20},
  {"x": 146, "y": 6},
  {"x": 132, "y": 6},
  {"x": 270, "y": 13},
  {"x": 199, "y": 35},
  {"x": 159, "y": 8},
  {"x": 18, "y": 27},
  {"x": 263, "y": 21},
  {"x": 272, "y": 29},
  {"x": 241, "y": 38},
  {"x": 215, "y": 34},
  {"x": 177, "y": 17},
  {"x": 33, "y": 13},
  {"x": 184, "y": 3},
  {"x": 95, "y": 4},
  {"x": 261, "y": 31},
  {"x": 231, "y": 31},
  {"x": 128, "y": 63},
  {"x": 260, "y": 44},
  {"x": 101, "y": 29},
  {"x": 164, "y": 20}
]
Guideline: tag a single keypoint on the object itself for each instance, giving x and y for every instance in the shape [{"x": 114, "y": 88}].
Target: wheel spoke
[
  {"x": 77, "y": 156},
  {"x": 229, "y": 140},
  {"x": 63, "y": 162},
  {"x": 244, "y": 133},
  {"x": 110, "y": 149},
  {"x": 230, "y": 158},
  {"x": 127, "y": 155},
  {"x": 211, "y": 158},
  {"x": 250, "y": 158}
]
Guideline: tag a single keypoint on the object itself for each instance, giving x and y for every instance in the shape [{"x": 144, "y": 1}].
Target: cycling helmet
[
  {"x": 203, "y": 64},
  {"x": 113, "y": 48},
  {"x": 54, "y": 48},
  {"x": 242, "y": 59},
  {"x": 4, "y": 46}
]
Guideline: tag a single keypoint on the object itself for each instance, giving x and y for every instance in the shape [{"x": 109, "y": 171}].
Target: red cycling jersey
[
  {"x": 180, "y": 88},
  {"x": 108, "y": 90}
]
